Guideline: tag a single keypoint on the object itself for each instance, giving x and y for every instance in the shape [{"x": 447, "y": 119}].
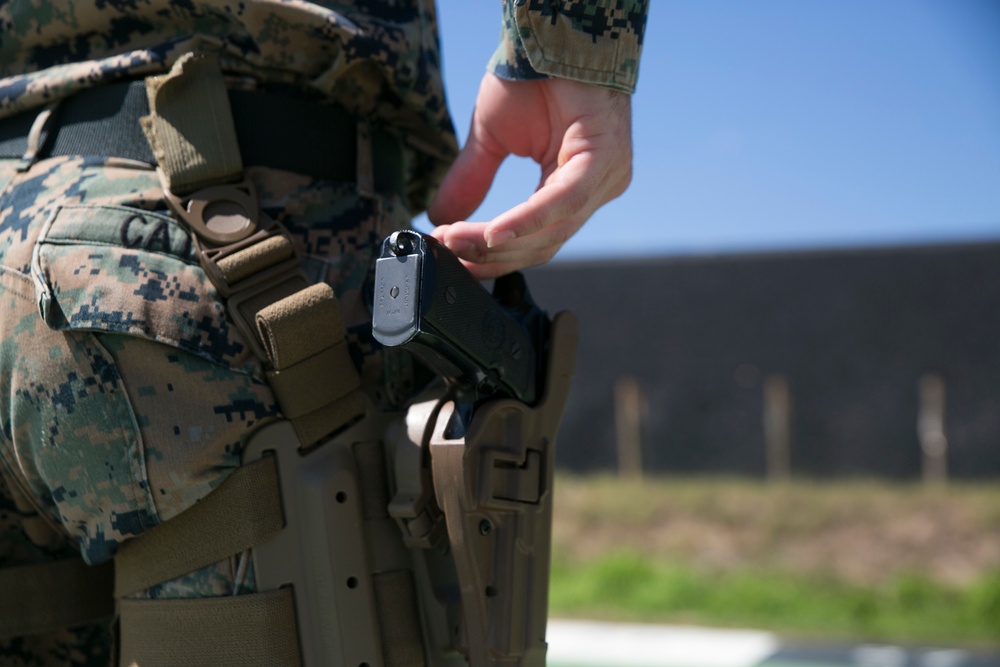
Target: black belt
[{"x": 278, "y": 131}]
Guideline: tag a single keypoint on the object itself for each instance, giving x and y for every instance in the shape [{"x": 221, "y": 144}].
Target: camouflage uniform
[{"x": 125, "y": 392}]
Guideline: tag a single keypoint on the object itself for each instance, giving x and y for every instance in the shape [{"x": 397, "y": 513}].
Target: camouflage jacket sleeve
[{"x": 594, "y": 41}]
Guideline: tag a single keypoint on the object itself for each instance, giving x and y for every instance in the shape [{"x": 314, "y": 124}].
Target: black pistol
[{"x": 427, "y": 302}]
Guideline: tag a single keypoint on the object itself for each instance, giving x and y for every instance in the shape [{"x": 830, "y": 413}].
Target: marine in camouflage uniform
[{"x": 125, "y": 392}]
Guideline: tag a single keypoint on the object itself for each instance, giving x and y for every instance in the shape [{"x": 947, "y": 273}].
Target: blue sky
[{"x": 780, "y": 124}]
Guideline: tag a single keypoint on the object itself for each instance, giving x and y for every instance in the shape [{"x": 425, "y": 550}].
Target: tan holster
[
  {"x": 375, "y": 539},
  {"x": 403, "y": 547}
]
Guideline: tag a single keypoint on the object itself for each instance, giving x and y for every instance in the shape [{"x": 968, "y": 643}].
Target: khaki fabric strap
[
  {"x": 313, "y": 376},
  {"x": 244, "y": 511},
  {"x": 48, "y": 596},
  {"x": 399, "y": 619},
  {"x": 396, "y": 602},
  {"x": 256, "y": 258},
  {"x": 316, "y": 425},
  {"x": 255, "y": 630},
  {"x": 296, "y": 329},
  {"x": 190, "y": 126}
]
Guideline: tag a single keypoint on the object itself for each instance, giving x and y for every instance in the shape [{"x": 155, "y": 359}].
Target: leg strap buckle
[
  {"x": 218, "y": 214},
  {"x": 247, "y": 256},
  {"x": 253, "y": 273}
]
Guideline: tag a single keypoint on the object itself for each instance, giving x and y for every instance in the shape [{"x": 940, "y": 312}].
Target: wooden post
[
  {"x": 777, "y": 427},
  {"x": 629, "y": 413},
  {"x": 930, "y": 428}
]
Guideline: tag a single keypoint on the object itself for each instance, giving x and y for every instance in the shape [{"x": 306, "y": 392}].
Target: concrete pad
[{"x": 593, "y": 644}]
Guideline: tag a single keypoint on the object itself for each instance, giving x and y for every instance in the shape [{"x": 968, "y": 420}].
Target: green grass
[
  {"x": 910, "y": 607},
  {"x": 859, "y": 559}
]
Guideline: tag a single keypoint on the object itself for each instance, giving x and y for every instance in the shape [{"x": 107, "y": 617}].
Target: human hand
[{"x": 581, "y": 137}]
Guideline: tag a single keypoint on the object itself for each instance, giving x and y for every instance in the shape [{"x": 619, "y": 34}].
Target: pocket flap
[{"x": 129, "y": 271}]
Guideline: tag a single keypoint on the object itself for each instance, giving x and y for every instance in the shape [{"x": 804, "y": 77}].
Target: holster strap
[
  {"x": 399, "y": 619},
  {"x": 190, "y": 126},
  {"x": 255, "y": 259},
  {"x": 48, "y": 596},
  {"x": 244, "y": 511},
  {"x": 247, "y": 630},
  {"x": 303, "y": 335},
  {"x": 293, "y": 327}
]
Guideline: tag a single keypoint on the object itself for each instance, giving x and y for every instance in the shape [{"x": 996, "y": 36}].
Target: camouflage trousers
[{"x": 125, "y": 392}]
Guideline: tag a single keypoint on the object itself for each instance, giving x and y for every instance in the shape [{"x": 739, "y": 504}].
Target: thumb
[{"x": 469, "y": 179}]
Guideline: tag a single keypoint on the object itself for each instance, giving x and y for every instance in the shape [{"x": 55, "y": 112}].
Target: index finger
[{"x": 574, "y": 188}]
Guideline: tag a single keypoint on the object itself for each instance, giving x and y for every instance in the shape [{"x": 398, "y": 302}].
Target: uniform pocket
[
  {"x": 138, "y": 391},
  {"x": 126, "y": 271}
]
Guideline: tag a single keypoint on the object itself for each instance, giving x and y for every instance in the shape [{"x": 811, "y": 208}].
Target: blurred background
[{"x": 787, "y": 408}]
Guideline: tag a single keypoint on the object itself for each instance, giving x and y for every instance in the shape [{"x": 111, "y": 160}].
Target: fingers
[
  {"x": 574, "y": 189},
  {"x": 590, "y": 172},
  {"x": 468, "y": 241},
  {"x": 465, "y": 243},
  {"x": 533, "y": 232},
  {"x": 579, "y": 135},
  {"x": 469, "y": 179},
  {"x": 491, "y": 271}
]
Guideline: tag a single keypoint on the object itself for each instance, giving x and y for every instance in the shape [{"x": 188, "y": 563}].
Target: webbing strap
[
  {"x": 399, "y": 619},
  {"x": 313, "y": 376},
  {"x": 301, "y": 325},
  {"x": 190, "y": 126},
  {"x": 256, "y": 258},
  {"x": 293, "y": 327},
  {"x": 396, "y": 602},
  {"x": 244, "y": 511},
  {"x": 256, "y": 630},
  {"x": 45, "y": 597}
]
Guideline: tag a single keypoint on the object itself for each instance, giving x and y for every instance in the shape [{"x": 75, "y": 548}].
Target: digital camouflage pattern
[
  {"x": 26, "y": 537},
  {"x": 375, "y": 57},
  {"x": 125, "y": 392},
  {"x": 595, "y": 41}
]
